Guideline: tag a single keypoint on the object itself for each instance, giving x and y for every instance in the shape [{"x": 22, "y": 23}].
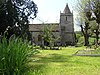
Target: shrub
[
  {"x": 92, "y": 41},
  {"x": 14, "y": 54},
  {"x": 80, "y": 41}
]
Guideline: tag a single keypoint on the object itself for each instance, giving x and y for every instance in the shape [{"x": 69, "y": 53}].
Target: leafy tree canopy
[{"x": 15, "y": 15}]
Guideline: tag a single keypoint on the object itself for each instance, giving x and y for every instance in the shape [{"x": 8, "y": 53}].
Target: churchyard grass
[{"x": 63, "y": 62}]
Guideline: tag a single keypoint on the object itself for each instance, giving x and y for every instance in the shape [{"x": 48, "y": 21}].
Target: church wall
[
  {"x": 35, "y": 37},
  {"x": 66, "y": 18},
  {"x": 36, "y": 34},
  {"x": 67, "y": 27},
  {"x": 63, "y": 30},
  {"x": 56, "y": 34},
  {"x": 69, "y": 37}
]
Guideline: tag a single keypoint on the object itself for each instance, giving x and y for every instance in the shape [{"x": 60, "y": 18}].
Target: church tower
[{"x": 67, "y": 27}]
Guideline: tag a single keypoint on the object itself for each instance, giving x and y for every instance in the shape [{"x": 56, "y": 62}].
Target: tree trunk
[
  {"x": 97, "y": 34},
  {"x": 86, "y": 40},
  {"x": 85, "y": 34}
]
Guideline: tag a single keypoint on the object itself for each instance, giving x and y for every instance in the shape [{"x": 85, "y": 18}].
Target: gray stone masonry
[{"x": 64, "y": 29}]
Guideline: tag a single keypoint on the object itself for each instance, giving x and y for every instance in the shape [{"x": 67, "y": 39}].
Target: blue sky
[{"x": 49, "y": 10}]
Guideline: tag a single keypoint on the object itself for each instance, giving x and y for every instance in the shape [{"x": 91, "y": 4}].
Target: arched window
[
  {"x": 39, "y": 38},
  {"x": 66, "y": 18}
]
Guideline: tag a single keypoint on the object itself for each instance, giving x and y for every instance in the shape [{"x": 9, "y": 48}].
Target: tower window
[{"x": 66, "y": 18}]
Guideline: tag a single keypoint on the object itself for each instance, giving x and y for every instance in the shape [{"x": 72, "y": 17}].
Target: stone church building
[{"x": 64, "y": 29}]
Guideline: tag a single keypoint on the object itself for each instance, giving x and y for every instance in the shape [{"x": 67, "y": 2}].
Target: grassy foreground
[{"x": 62, "y": 62}]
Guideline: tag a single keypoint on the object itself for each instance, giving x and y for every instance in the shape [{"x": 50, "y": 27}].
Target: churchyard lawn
[{"x": 63, "y": 62}]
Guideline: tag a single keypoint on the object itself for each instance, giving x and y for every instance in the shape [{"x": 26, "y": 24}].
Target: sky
[{"x": 49, "y": 11}]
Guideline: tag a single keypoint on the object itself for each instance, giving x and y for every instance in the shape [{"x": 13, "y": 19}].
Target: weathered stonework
[
  {"x": 67, "y": 27},
  {"x": 64, "y": 29}
]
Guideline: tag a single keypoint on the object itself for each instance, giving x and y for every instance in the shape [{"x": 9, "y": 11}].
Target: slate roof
[
  {"x": 67, "y": 10},
  {"x": 39, "y": 27}
]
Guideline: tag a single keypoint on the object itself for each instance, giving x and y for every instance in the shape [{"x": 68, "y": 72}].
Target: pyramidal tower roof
[{"x": 67, "y": 10}]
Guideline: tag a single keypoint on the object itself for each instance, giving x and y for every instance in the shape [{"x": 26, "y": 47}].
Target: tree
[
  {"x": 83, "y": 21},
  {"x": 85, "y": 33},
  {"x": 85, "y": 29},
  {"x": 48, "y": 35},
  {"x": 92, "y": 11},
  {"x": 16, "y": 14}
]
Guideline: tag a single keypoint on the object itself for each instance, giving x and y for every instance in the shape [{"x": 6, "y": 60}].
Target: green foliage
[
  {"x": 92, "y": 41},
  {"x": 77, "y": 37},
  {"x": 49, "y": 36},
  {"x": 97, "y": 51},
  {"x": 47, "y": 33},
  {"x": 90, "y": 10},
  {"x": 14, "y": 54},
  {"x": 16, "y": 14},
  {"x": 80, "y": 41}
]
